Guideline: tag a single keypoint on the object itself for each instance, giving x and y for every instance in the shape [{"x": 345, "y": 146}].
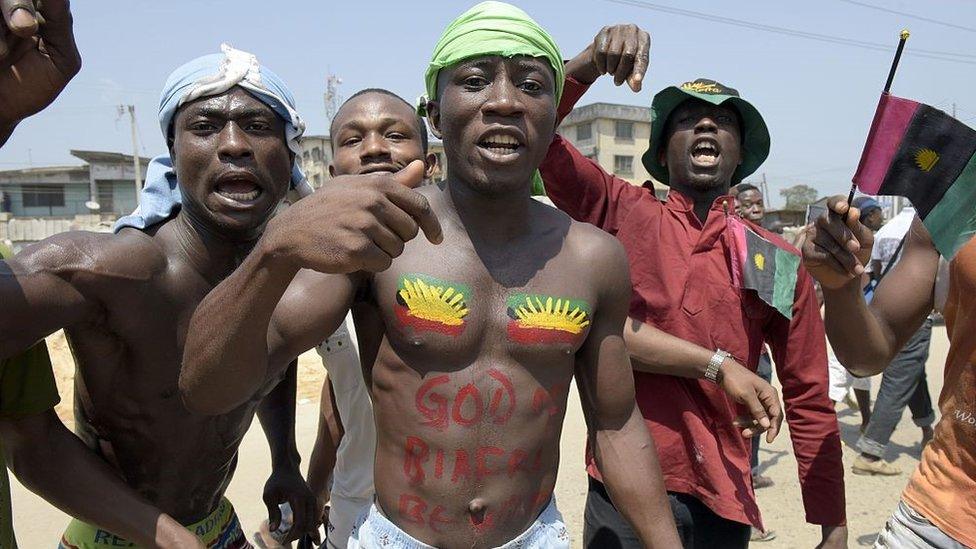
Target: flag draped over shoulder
[
  {"x": 760, "y": 265},
  {"x": 922, "y": 153}
]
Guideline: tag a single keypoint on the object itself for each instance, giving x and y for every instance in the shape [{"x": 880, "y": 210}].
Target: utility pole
[
  {"x": 135, "y": 147},
  {"x": 765, "y": 189},
  {"x": 953, "y": 109},
  {"x": 332, "y": 97}
]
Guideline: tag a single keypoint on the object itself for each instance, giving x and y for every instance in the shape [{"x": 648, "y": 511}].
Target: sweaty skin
[
  {"x": 125, "y": 300},
  {"x": 468, "y": 411}
]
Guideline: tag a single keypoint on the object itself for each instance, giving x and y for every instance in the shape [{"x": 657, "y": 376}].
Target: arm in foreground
[
  {"x": 658, "y": 352},
  {"x": 36, "y": 60},
  {"x": 622, "y": 445},
  {"x": 866, "y": 338},
  {"x": 351, "y": 224},
  {"x": 40, "y": 288},
  {"x": 53, "y": 463},
  {"x": 799, "y": 350},
  {"x": 286, "y": 483}
]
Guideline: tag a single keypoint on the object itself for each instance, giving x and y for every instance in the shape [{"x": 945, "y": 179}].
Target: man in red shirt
[{"x": 704, "y": 138}]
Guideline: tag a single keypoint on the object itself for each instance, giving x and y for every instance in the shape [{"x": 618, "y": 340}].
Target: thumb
[{"x": 412, "y": 175}]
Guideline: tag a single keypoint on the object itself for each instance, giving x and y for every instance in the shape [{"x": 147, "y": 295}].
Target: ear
[
  {"x": 430, "y": 164},
  {"x": 331, "y": 170},
  {"x": 434, "y": 118}
]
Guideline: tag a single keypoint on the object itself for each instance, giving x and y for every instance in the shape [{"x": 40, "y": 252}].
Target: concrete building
[
  {"x": 317, "y": 154},
  {"x": 615, "y": 136},
  {"x": 63, "y": 191}
]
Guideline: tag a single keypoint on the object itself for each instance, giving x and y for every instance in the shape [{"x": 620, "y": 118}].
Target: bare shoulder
[
  {"x": 129, "y": 254},
  {"x": 591, "y": 248}
]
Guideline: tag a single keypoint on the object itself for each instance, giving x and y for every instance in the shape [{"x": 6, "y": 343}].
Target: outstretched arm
[
  {"x": 353, "y": 223},
  {"x": 36, "y": 60},
  {"x": 622, "y": 445},
  {"x": 866, "y": 337}
]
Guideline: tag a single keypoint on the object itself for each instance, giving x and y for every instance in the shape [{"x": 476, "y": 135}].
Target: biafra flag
[
  {"x": 922, "y": 153},
  {"x": 760, "y": 265}
]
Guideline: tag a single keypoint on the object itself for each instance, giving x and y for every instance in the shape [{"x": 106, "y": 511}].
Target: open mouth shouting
[
  {"x": 501, "y": 146},
  {"x": 238, "y": 188},
  {"x": 705, "y": 152}
]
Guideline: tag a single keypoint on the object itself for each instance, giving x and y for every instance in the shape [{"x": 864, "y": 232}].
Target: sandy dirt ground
[{"x": 869, "y": 499}]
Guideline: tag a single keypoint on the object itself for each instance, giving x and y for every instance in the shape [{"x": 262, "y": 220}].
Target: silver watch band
[{"x": 714, "y": 364}]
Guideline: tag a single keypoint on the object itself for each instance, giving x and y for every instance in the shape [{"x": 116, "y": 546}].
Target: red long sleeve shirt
[{"x": 682, "y": 284}]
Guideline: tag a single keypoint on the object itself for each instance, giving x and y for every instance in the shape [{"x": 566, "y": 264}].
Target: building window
[
  {"x": 623, "y": 165},
  {"x": 624, "y": 130},
  {"x": 316, "y": 154},
  {"x": 106, "y": 199},
  {"x": 584, "y": 131},
  {"x": 43, "y": 196}
]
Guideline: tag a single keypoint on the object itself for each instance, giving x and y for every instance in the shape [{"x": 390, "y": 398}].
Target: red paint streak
[
  {"x": 437, "y": 518},
  {"x": 412, "y": 508},
  {"x": 439, "y": 464},
  {"x": 537, "y": 462},
  {"x": 507, "y": 389},
  {"x": 468, "y": 391},
  {"x": 436, "y": 412},
  {"x": 461, "y": 467},
  {"x": 535, "y": 336},
  {"x": 415, "y": 454},
  {"x": 424, "y": 325},
  {"x": 482, "y": 467},
  {"x": 516, "y": 462}
]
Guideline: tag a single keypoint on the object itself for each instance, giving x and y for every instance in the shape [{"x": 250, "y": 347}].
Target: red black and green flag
[
  {"x": 922, "y": 153},
  {"x": 760, "y": 265}
]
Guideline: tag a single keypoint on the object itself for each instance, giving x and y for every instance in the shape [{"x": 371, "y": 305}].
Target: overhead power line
[
  {"x": 964, "y": 58},
  {"x": 911, "y": 15}
]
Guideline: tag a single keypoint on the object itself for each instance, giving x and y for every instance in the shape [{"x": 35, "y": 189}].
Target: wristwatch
[{"x": 715, "y": 364}]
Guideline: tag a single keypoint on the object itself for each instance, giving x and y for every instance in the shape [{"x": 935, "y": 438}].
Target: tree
[{"x": 798, "y": 197}]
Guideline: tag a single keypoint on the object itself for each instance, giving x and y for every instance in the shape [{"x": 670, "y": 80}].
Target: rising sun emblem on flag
[
  {"x": 760, "y": 261},
  {"x": 427, "y": 304},
  {"x": 546, "y": 319},
  {"x": 925, "y": 159}
]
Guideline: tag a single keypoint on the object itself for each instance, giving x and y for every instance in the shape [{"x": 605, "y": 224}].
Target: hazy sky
[{"x": 816, "y": 96}]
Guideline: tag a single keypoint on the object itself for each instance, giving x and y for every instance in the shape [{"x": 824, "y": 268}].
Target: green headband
[{"x": 492, "y": 28}]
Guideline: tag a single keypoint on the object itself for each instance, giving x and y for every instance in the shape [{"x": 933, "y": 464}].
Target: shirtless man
[
  {"x": 125, "y": 299},
  {"x": 482, "y": 334}
]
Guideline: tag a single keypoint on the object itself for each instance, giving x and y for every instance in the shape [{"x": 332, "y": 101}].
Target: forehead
[
  {"x": 232, "y": 102},
  {"x": 698, "y": 107},
  {"x": 749, "y": 195},
  {"x": 494, "y": 62},
  {"x": 374, "y": 108}
]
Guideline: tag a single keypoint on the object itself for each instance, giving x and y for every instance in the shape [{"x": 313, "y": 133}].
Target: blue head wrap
[{"x": 204, "y": 77}]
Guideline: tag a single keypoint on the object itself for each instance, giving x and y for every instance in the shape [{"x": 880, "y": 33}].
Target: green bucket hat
[{"x": 755, "y": 135}]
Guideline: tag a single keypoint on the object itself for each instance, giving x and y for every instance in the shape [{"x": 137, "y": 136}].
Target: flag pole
[{"x": 903, "y": 37}]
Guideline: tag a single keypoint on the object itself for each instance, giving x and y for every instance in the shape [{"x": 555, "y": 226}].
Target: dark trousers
[
  {"x": 698, "y": 527},
  {"x": 764, "y": 370},
  {"x": 903, "y": 383}
]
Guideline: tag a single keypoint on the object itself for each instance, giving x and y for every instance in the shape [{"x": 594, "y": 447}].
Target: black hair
[
  {"x": 421, "y": 125},
  {"x": 743, "y": 187}
]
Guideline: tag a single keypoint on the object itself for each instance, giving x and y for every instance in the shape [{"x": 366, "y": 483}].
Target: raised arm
[
  {"x": 866, "y": 338},
  {"x": 622, "y": 446},
  {"x": 576, "y": 184},
  {"x": 42, "y": 289},
  {"x": 353, "y": 223},
  {"x": 36, "y": 60}
]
